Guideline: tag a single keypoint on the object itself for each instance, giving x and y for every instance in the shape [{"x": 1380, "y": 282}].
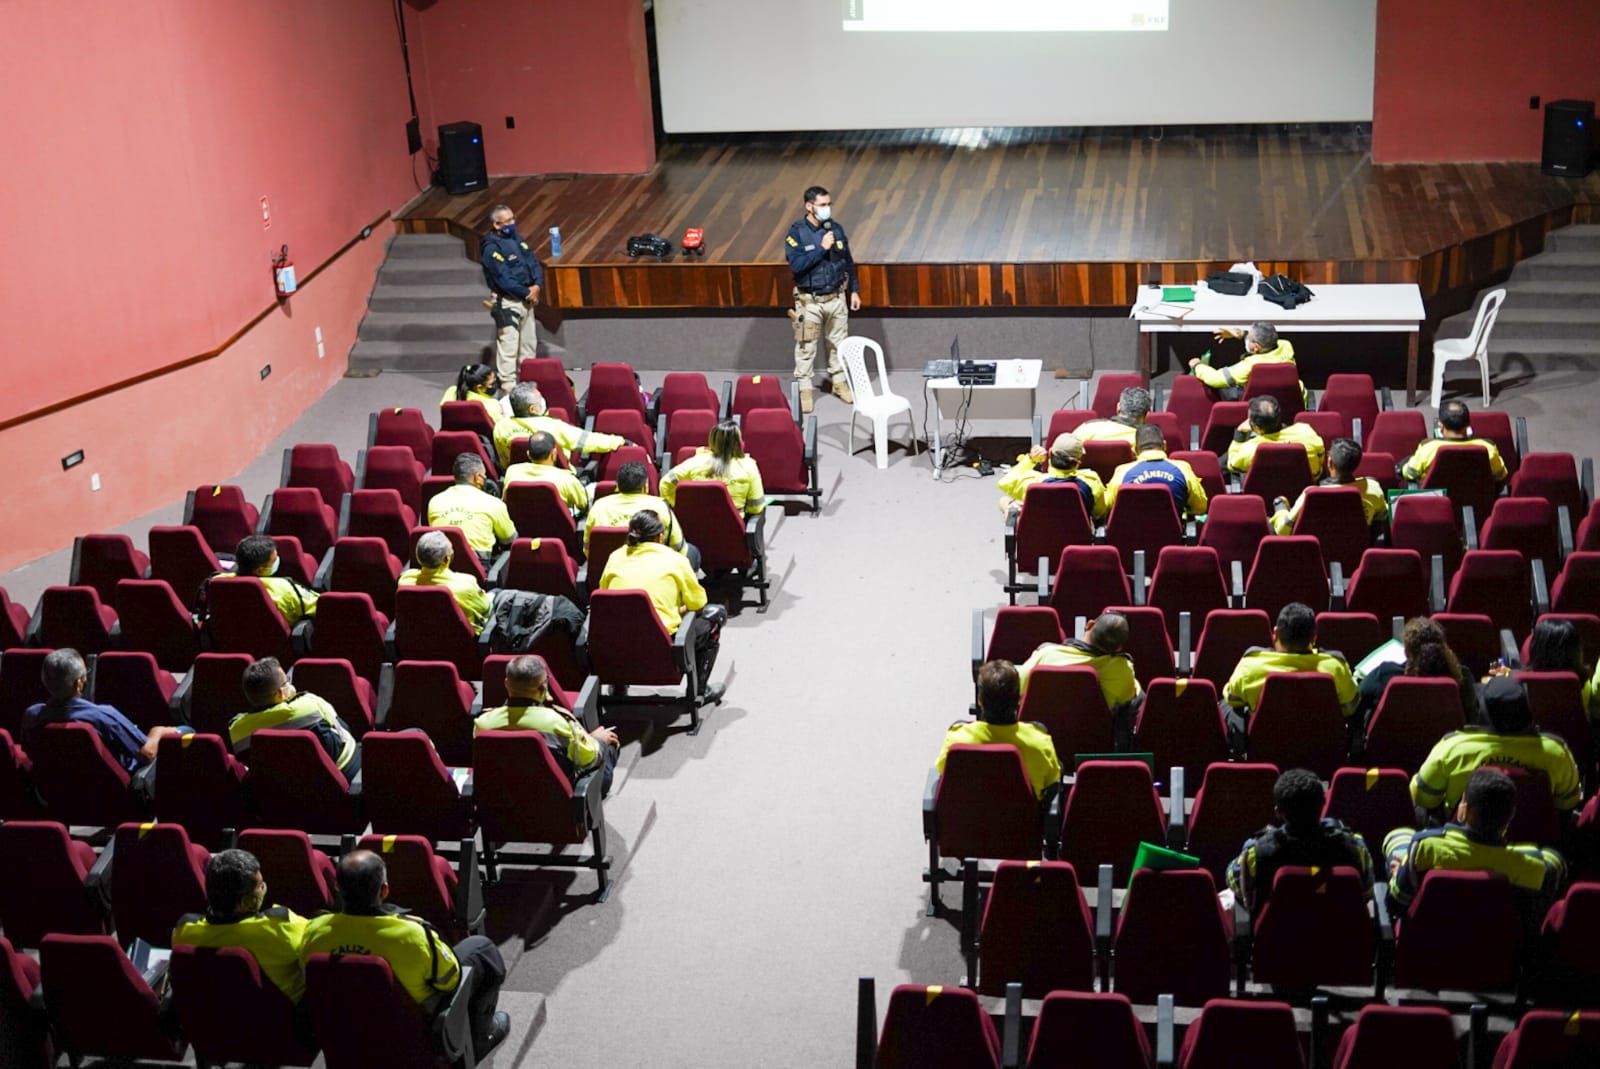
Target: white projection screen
[{"x": 732, "y": 66}]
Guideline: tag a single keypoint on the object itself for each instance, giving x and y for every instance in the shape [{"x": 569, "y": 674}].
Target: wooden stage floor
[{"x": 1029, "y": 218}]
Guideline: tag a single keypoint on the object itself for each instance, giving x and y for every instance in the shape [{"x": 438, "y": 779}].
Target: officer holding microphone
[{"x": 826, "y": 291}]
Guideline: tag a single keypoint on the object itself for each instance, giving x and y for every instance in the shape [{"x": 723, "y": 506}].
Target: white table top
[
  {"x": 1336, "y": 306},
  {"x": 1020, "y": 374}
]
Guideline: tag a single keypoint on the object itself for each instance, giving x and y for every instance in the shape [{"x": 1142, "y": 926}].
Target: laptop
[{"x": 944, "y": 369}]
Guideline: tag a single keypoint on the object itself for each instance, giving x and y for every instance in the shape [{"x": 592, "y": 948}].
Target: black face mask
[{"x": 509, "y": 230}]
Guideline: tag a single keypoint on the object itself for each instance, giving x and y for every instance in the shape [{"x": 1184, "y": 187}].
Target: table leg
[
  {"x": 938, "y": 430},
  {"x": 1146, "y": 344},
  {"x": 1411, "y": 369}
]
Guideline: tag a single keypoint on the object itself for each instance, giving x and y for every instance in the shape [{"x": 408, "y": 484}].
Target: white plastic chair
[
  {"x": 878, "y": 405},
  {"x": 1474, "y": 346}
]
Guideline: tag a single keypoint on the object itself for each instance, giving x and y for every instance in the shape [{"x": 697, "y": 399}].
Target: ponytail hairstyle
[
  {"x": 726, "y": 445},
  {"x": 471, "y": 379},
  {"x": 645, "y": 526}
]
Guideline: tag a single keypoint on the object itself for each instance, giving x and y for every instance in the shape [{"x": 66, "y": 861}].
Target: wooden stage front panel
[{"x": 1028, "y": 219}]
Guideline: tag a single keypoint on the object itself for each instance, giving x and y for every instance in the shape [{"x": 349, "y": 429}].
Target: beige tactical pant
[
  {"x": 514, "y": 341},
  {"x": 815, "y": 317}
]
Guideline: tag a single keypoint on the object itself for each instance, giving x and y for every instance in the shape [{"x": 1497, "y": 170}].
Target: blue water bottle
[{"x": 555, "y": 241}]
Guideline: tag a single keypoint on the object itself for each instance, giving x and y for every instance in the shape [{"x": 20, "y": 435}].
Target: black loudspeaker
[
  {"x": 1568, "y": 138},
  {"x": 461, "y": 166}
]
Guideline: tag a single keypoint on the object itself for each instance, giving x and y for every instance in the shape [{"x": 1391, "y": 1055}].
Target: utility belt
[{"x": 808, "y": 296}]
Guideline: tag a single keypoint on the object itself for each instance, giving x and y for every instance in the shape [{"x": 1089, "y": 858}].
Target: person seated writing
[
  {"x": 1100, "y": 649},
  {"x": 1422, "y": 653},
  {"x": 722, "y": 460},
  {"x": 257, "y": 555},
  {"x": 615, "y": 510},
  {"x": 1064, "y": 456},
  {"x": 530, "y": 707},
  {"x": 1294, "y": 649},
  {"x": 64, "y": 676},
  {"x": 1454, "y": 427},
  {"x": 1261, "y": 346},
  {"x": 1133, "y": 406},
  {"x": 999, "y": 698},
  {"x": 237, "y": 916},
  {"x": 1152, "y": 467},
  {"x": 541, "y": 467},
  {"x": 476, "y": 382},
  {"x": 1266, "y": 425},
  {"x": 1302, "y": 837},
  {"x": 646, "y": 563},
  {"x": 1344, "y": 457},
  {"x": 434, "y": 553},
  {"x": 530, "y": 414},
  {"x": 275, "y": 704},
  {"x": 482, "y": 517}
]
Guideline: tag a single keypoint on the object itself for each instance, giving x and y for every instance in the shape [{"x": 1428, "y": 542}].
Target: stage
[{"x": 1027, "y": 219}]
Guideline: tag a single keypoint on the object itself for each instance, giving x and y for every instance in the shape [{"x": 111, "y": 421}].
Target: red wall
[
  {"x": 575, "y": 75},
  {"x": 1453, "y": 78}
]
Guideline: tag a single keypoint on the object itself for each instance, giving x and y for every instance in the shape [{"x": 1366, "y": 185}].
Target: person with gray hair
[
  {"x": 1261, "y": 346},
  {"x": 482, "y": 516},
  {"x": 64, "y": 676},
  {"x": 1133, "y": 408},
  {"x": 514, "y": 277},
  {"x": 434, "y": 553},
  {"x": 529, "y": 706},
  {"x": 530, "y": 415}
]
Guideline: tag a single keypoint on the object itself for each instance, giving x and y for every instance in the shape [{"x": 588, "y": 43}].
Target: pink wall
[
  {"x": 1453, "y": 79},
  {"x": 574, "y": 75}
]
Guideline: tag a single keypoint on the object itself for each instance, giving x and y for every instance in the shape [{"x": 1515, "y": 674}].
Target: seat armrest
[
  {"x": 343, "y": 529},
  {"x": 1385, "y": 958},
  {"x": 1011, "y": 531},
  {"x": 475, "y": 710},
  {"x": 1541, "y": 588},
  {"x": 661, "y": 442},
  {"x": 384, "y": 698},
  {"x": 1042, "y": 579},
  {"x": 452, "y": 1022},
  {"x": 809, "y": 439},
  {"x": 1586, "y": 481},
  {"x": 319, "y": 582},
  {"x": 1509, "y": 652},
  {"x": 486, "y": 638},
  {"x": 1355, "y": 429},
  {"x": 1563, "y": 530},
  {"x": 969, "y": 919},
  {"x": 1053, "y": 800},
  {"x": 1387, "y": 398},
  {"x": 264, "y": 521},
  {"x": 1157, "y": 394},
  {"x": 755, "y": 533},
  {"x": 725, "y": 396},
  {"x": 1469, "y": 526},
  {"x": 977, "y": 642},
  {"x": 1138, "y": 578},
  {"x": 930, "y": 794},
  {"x": 97, "y": 885},
  {"x": 497, "y": 568},
  {"x": 1519, "y": 435},
  {"x": 1191, "y": 532},
  {"x": 355, "y": 788},
  {"x": 1243, "y": 945},
  {"x": 1038, "y": 428},
  {"x": 1436, "y": 588},
  {"x": 178, "y": 707},
  {"x": 30, "y": 635},
  {"x": 588, "y": 423},
  {"x": 1011, "y": 1029},
  {"x": 1236, "y": 573},
  {"x": 586, "y": 810},
  {"x": 1102, "y": 924},
  {"x": 1177, "y": 830},
  {"x": 390, "y": 650},
  {"x": 1166, "y": 1039},
  {"x": 588, "y": 710},
  {"x": 1185, "y": 644},
  {"x": 582, "y": 580},
  {"x": 1319, "y": 1032},
  {"x": 652, "y": 406},
  {"x": 372, "y": 440},
  {"x": 1336, "y": 582},
  {"x": 469, "y": 909},
  {"x": 682, "y": 650},
  {"x": 300, "y": 636}
]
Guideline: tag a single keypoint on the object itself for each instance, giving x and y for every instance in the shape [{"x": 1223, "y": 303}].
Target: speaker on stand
[
  {"x": 461, "y": 164},
  {"x": 1568, "y": 138}
]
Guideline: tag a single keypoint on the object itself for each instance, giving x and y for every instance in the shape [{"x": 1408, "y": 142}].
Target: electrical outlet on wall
[
  {"x": 321, "y": 349},
  {"x": 94, "y": 481},
  {"x": 1533, "y": 103}
]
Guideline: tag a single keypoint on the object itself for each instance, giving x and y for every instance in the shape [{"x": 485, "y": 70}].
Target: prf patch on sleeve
[
  {"x": 790, "y": 239},
  {"x": 497, "y": 256}
]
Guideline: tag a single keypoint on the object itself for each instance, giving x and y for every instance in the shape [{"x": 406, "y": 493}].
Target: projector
[{"x": 976, "y": 372}]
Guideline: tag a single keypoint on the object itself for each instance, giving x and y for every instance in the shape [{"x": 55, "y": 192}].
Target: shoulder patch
[
  {"x": 277, "y": 913},
  {"x": 790, "y": 239},
  {"x": 497, "y": 256},
  {"x": 524, "y": 244}
]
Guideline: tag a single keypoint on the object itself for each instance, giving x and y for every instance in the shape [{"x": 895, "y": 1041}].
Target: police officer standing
[
  {"x": 514, "y": 275},
  {"x": 824, "y": 272}
]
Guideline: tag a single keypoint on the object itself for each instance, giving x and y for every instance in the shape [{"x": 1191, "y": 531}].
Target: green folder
[
  {"x": 1151, "y": 856},
  {"x": 1177, "y": 293}
]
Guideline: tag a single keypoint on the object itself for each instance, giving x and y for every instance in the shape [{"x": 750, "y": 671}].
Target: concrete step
[
  {"x": 1584, "y": 237},
  {"x": 427, "y": 355},
  {"x": 429, "y": 273},
  {"x": 459, "y": 326},
  {"x": 427, "y": 246},
  {"x": 1551, "y": 293},
  {"x": 1572, "y": 266},
  {"x": 459, "y": 298},
  {"x": 1587, "y": 348},
  {"x": 1527, "y": 322}
]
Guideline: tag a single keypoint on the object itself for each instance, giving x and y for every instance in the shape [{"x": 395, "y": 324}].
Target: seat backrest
[
  {"x": 1427, "y": 525},
  {"x": 396, "y": 468},
  {"x": 320, "y": 467},
  {"x": 1172, "y": 939},
  {"x": 1225, "y": 635},
  {"x": 215, "y": 691},
  {"x": 775, "y": 441},
  {"x": 419, "y": 879},
  {"x": 295, "y": 784},
  {"x": 88, "y": 981},
  {"x": 366, "y": 565},
  {"x": 1371, "y": 801},
  {"x": 1144, "y": 517},
  {"x": 1281, "y": 381},
  {"x": 1328, "y": 425},
  {"x": 155, "y": 621},
  {"x": 350, "y": 628},
  {"x": 1278, "y": 469},
  {"x": 1227, "y": 1026},
  {"x": 1067, "y": 420},
  {"x": 301, "y": 511},
  {"x": 537, "y": 511},
  {"x": 158, "y": 877},
  {"x": 1287, "y": 568},
  {"x": 1334, "y": 516},
  {"x": 522, "y": 794},
  {"x": 1495, "y": 425},
  {"x": 101, "y": 560},
  {"x": 1425, "y": 1033},
  {"x": 1545, "y": 1038},
  {"x": 215, "y": 989},
  {"x": 447, "y": 445},
  {"x": 24, "y": 1034},
  {"x": 1380, "y": 468},
  {"x": 1053, "y": 517},
  {"x": 334, "y": 679},
  {"x": 1086, "y": 580},
  {"x": 17, "y": 801},
  {"x": 1577, "y": 588},
  {"x": 408, "y": 790},
  {"x": 1298, "y": 723},
  {"x": 1111, "y": 809},
  {"x": 1021, "y": 629},
  {"x": 1553, "y": 477},
  {"x": 604, "y": 541},
  {"x": 1104, "y": 456},
  {"x": 928, "y": 1026},
  {"x": 379, "y": 513},
  {"x": 1353, "y": 397},
  {"x": 44, "y": 889},
  {"x": 627, "y": 642},
  {"x": 395, "y": 1030},
  {"x": 1148, "y": 643},
  {"x": 20, "y": 685},
  {"x": 1412, "y": 715},
  {"x": 73, "y": 616},
  {"x": 200, "y": 787},
  {"x": 429, "y": 624},
  {"x": 80, "y": 781},
  {"x": 688, "y": 427},
  {"x": 550, "y": 376},
  {"x": 1474, "y": 637},
  {"x": 181, "y": 557},
  {"x": 1354, "y": 634},
  {"x": 13, "y": 622},
  {"x": 1069, "y": 703},
  {"x": 132, "y": 683},
  {"x": 1463, "y": 472},
  {"x": 1389, "y": 583},
  {"x": 1429, "y": 952},
  {"x": 611, "y": 463},
  {"x": 686, "y": 391},
  {"x": 1495, "y": 583},
  {"x": 1527, "y": 525},
  {"x": 985, "y": 805},
  {"x": 1234, "y": 802},
  {"x": 1224, "y": 419},
  {"x": 465, "y": 416},
  {"x": 1396, "y": 432},
  {"x": 543, "y": 566},
  {"x": 429, "y": 695},
  {"x": 713, "y": 525},
  {"x": 222, "y": 514},
  {"x": 494, "y": 682},
  {"x": 244, "y": 619},
  {"x": 1177, "y": 436},
  {"x": 406, "y": 427},
  {"x": 627, "y": 423},
  {"x": 613, "y": 385},
  {"x": 1235, "y": 526},
  {"x": 1180, "y": 725},
  {"x": 1088, "y": 1028},
  {"x": 1536, "y": 819},
  {"x": 858, "y": 372},
  {"x": 1035, "y": 931},
  {"x": 298, "y": 876},
  {"x": 1314, "y": 929},
  {"x": 1191, "y": 402},
  {"x": 1187, "y": 579},
  {"x": 751, "y": 392}
]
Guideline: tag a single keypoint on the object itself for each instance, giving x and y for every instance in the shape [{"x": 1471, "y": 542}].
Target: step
[
  {"x": 1583, "y": 237},
  {"x": 428, "y": 273},
  {"x": 414, "y": 355},
  {"x": 1575, "y": 266},
  {"x": 428, "y": 247},
  {"x": 1529, "y": 322},
  {"x": 456, "y": 297},
  {"x": 460, "y": 326},
  {"x": 1551, "y": 293},
  {"x": 1587, "y": 348}
]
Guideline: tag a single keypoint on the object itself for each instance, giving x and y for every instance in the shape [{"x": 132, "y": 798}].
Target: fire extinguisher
[{"x": 283, "y": 273}]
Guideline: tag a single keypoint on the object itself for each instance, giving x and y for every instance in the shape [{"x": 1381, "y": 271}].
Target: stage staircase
[{"x": 1551, "y": 316}]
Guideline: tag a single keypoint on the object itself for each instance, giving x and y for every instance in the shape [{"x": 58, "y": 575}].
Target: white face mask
[
  {"x": 824, "y": 213},
  {"x": 275, "y": 562}
]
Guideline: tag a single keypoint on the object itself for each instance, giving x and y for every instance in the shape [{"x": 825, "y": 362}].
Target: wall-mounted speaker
[
  {"x": 1568, "y": 138},
  {"x": 461, "y": 164}
]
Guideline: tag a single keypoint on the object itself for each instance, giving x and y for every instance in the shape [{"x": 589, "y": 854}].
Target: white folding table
[
  {"x": 1013, "y": 395},
  {"x": 1336, "y": 308}
]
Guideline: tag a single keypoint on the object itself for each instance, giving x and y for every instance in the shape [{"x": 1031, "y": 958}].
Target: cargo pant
[
  {"x": 516, "y": 337},
  {"x": 816, "y": 316}
]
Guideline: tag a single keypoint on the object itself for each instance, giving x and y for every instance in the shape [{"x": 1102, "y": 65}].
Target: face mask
[
  {"x": 275, "y": 562},
  {"x": 824, "y": 213},
  {"x": 509, "y": 230}
]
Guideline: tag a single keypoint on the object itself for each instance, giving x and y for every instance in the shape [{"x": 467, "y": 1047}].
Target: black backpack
[
  {"x": 1284, "y": 291},
  {"x": 522, "y": 617}
]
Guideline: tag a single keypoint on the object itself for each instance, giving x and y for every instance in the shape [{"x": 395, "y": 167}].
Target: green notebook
[
  {"x": 1151, "y": 856},
  {"x": 1177, "y": 293}
]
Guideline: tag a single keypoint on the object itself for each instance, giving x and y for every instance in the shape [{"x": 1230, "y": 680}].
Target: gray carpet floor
[{"x": 766, "y": 863}]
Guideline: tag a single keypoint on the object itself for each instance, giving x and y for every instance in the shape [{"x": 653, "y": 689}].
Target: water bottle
[{"x": 555, "y": 241}]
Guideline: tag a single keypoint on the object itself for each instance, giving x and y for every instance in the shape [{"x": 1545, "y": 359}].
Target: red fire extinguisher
[{"x": 283, "y": 273}]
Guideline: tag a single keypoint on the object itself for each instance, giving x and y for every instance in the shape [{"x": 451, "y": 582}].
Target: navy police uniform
[
  {"x": 513, "y": 273},
  {"x": 823, "y": 281}
]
